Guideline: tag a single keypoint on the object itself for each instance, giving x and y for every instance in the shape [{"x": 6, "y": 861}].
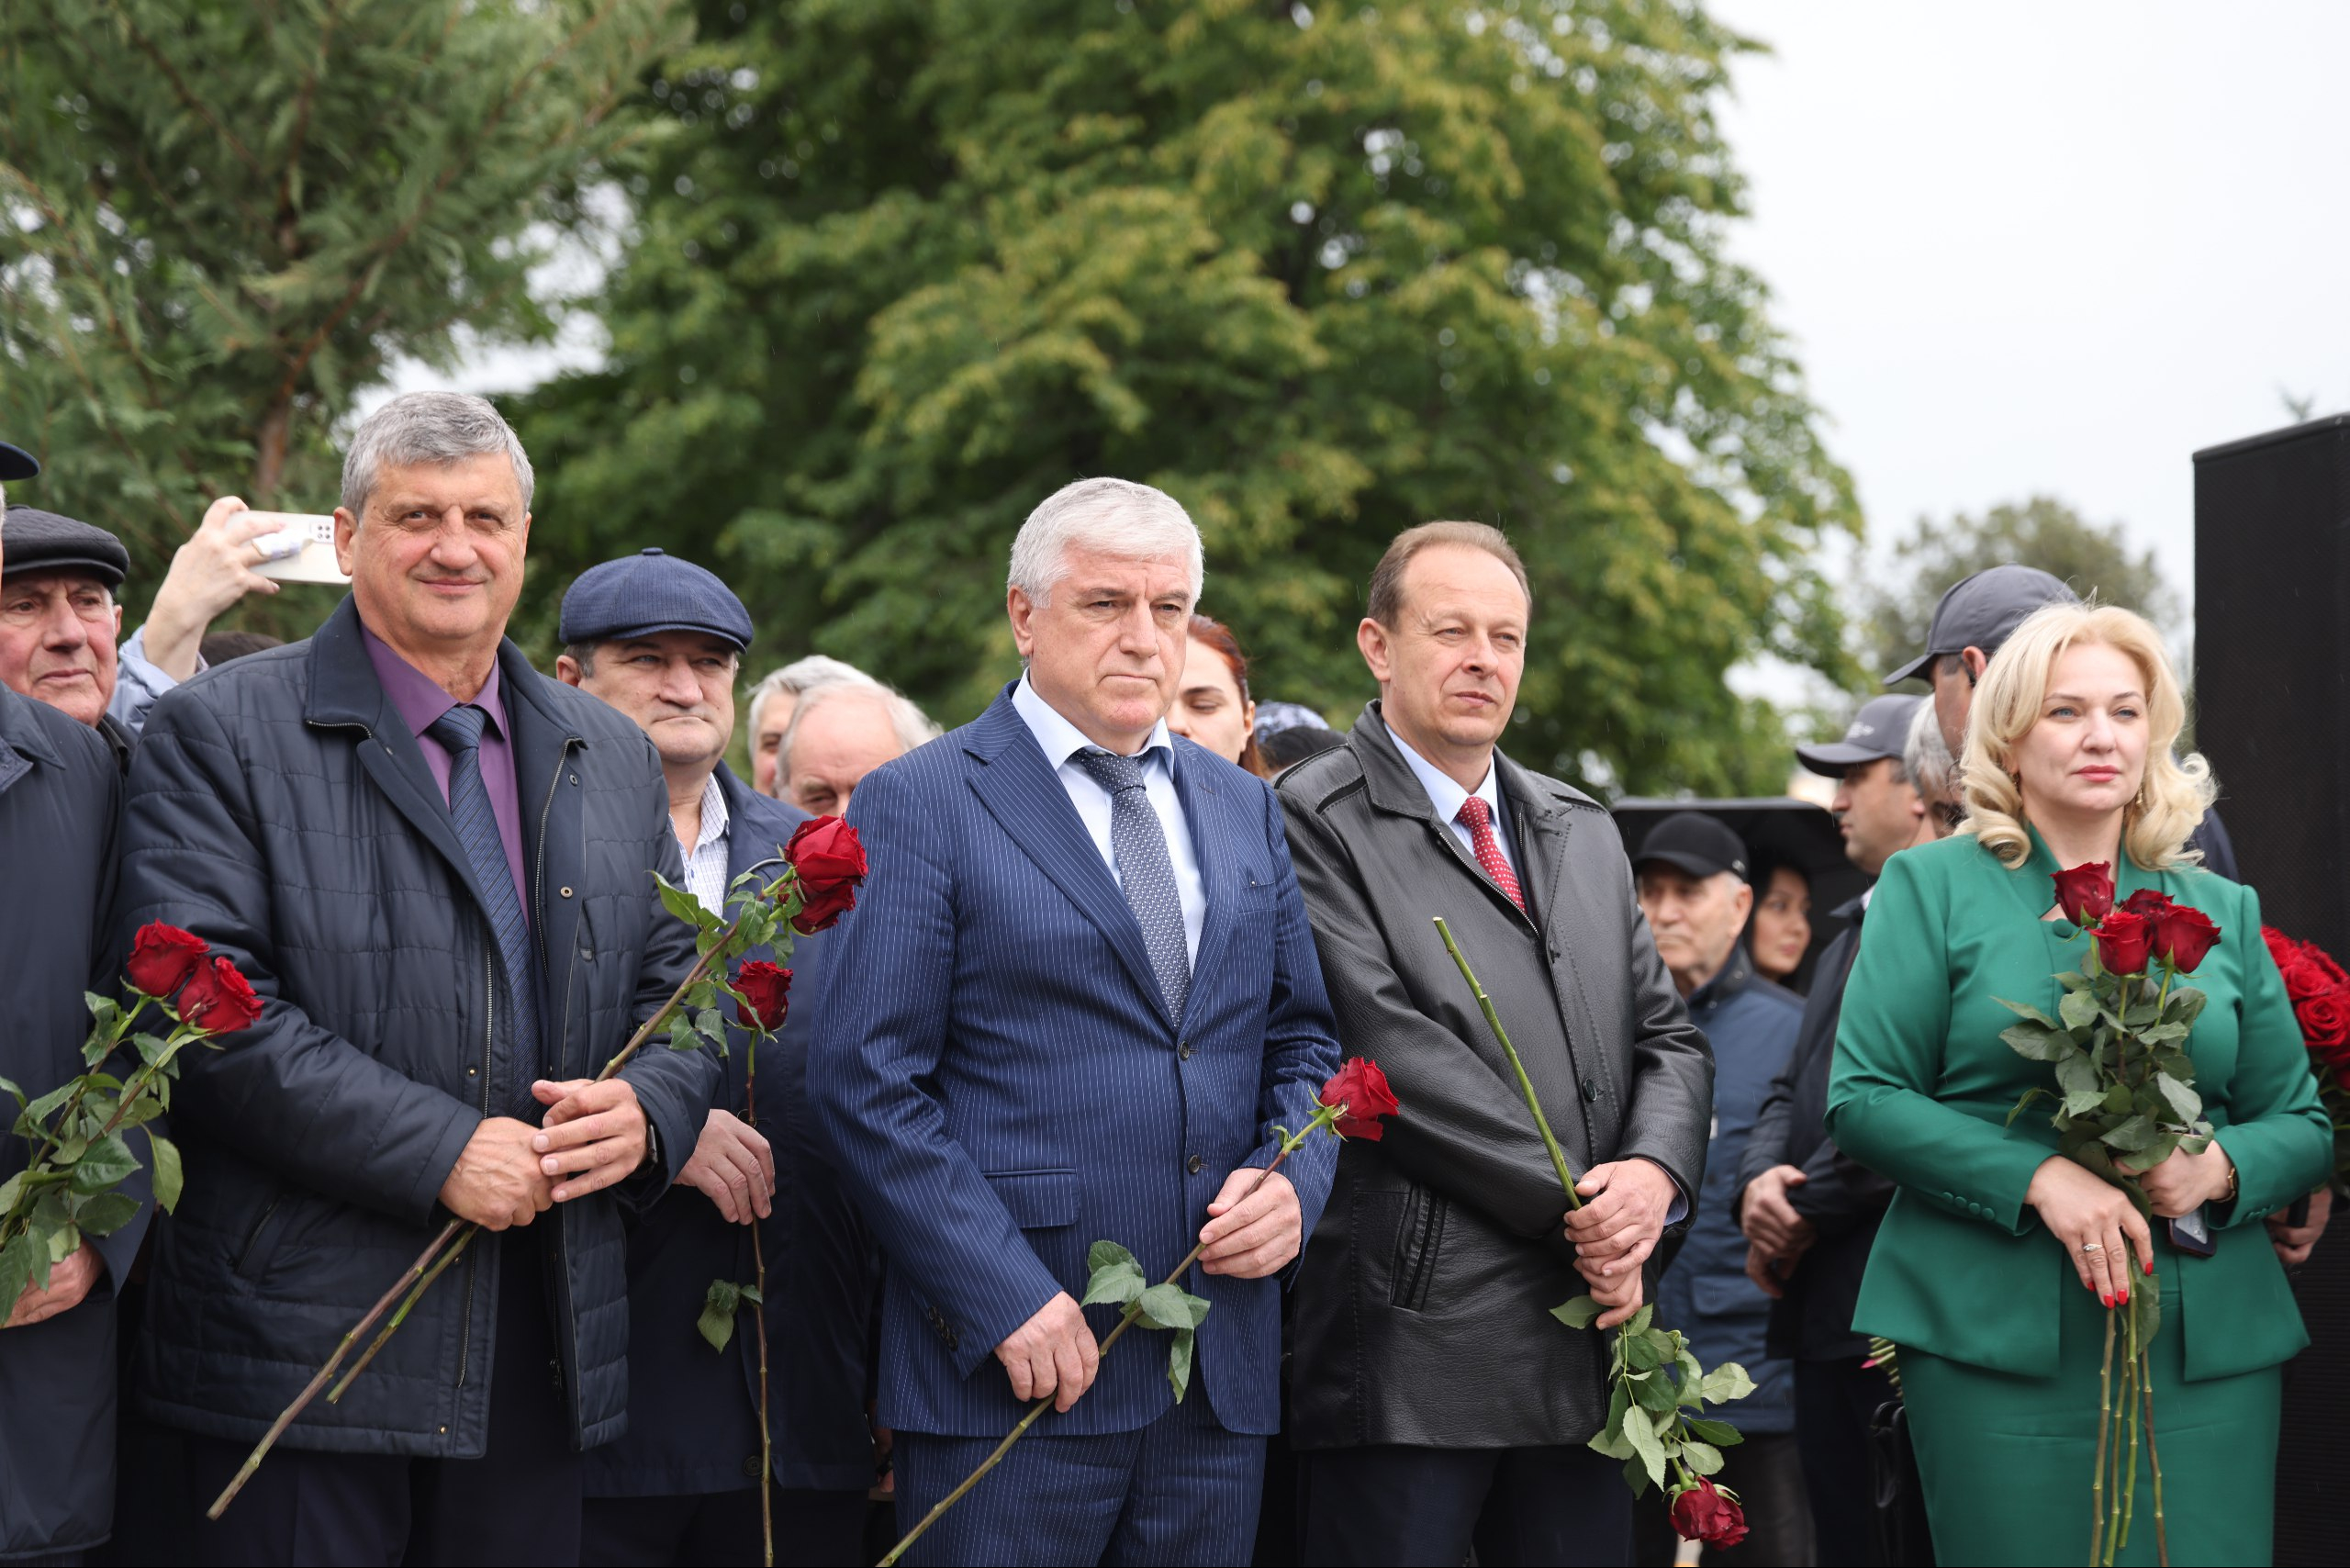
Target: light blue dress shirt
[
  {"x": 1062, "y": 740},
  {"x": 1446, "y": 796}
]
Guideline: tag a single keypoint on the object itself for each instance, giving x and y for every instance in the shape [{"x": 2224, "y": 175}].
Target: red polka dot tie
[{"x": 1479, "y": 819}]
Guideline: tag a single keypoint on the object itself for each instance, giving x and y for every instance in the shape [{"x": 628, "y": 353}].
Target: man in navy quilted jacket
[{"x": 435, "y": 865}]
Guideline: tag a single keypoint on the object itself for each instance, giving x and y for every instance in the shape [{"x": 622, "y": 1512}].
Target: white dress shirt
[
  {"x": 705, "y": 857},
  {"x": 1446, "y": 796},
  {"x": 1062, "y": 740}
]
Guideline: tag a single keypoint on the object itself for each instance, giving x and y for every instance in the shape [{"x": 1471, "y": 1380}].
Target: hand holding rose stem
[
  {"x": 1350, "y": 1106},
  {"x": 809, "y": 898}
]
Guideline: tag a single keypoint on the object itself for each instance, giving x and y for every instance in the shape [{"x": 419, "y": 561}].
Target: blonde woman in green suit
[{"x": 1998, "y": 1258}]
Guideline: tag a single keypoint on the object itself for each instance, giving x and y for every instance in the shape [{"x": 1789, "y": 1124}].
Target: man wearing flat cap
[
  {"x": 662, "y": 641},
  {"x": 435, "y": 866},
  {"x": 61, "y": 796},
  {"x": 1692, "y": 878},
  {"x": 60, "y": 623}
]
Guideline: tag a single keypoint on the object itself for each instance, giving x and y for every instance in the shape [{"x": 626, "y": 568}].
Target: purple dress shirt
[{"x": 422, "y": 702}]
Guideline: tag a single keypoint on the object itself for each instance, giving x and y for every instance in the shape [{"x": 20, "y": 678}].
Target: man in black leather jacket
[{"x": 1437, "y": 1405}]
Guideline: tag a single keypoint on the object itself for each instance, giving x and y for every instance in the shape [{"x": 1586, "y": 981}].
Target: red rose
[
  {"x": 1362, "y": 1088},
  {"x": 2183, "y": 935},
  {"x": 2330, "y": 974},
  {"x": 1704, "y": 1512},
  {"x": 766, "y": 995},
  {"x": 218, "y": 1001},
  {"x": 2325, "y": 1021},
  {"x": 830, "y": 860},
  {"x": 2124, "y": 942},
  {"x": 2085, "y": 892},
  {"x": 162, "y": 957},
  {"x": 2146, "y": 902}
]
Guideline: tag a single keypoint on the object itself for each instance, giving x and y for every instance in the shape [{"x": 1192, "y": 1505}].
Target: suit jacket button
[
  {"x": 751, "y": 1467},
  {"x": 1197, "y": 1165},
  {"x": 1184, "y": 1051},
  {"x": 1590, "y": 1090}
]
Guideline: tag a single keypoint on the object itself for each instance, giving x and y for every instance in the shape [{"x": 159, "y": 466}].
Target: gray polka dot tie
[{"x": 1146, "y": 872}]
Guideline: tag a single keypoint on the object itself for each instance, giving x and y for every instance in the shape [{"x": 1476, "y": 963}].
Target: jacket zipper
[
  {"x": 472, "y": 1262},
  {"x": 252, "y": 1236},
  {"x": 561, "y": 1270}
]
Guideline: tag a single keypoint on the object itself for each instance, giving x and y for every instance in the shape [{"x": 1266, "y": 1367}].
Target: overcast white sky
[{"x": 2051, "y": 247}]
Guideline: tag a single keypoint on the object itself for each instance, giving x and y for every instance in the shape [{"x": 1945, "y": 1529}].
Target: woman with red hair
[{"x": 1212, "y": 706}]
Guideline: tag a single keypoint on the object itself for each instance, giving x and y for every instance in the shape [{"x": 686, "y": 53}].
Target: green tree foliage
[
  {"x": 909, "y": 265},
  {"x": 1897, "y": 610},
  {"x": 221, "y": 218}
]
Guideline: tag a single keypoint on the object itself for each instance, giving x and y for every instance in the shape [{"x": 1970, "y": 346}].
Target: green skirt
[{"x": 2007, "y": 1461}]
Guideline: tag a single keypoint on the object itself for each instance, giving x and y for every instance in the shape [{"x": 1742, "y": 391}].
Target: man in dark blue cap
[
  {"x": 661, "y": 640},
  {"x": 61, "y": 796},
  {"x": 1692, "y": 877}
]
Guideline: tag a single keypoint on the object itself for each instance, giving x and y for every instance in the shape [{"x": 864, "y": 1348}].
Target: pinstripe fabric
[
  {"x": 1181, "y": 1491},
  {"x": 459, "y": 730},
  {"x": 994, "y": 1067}
]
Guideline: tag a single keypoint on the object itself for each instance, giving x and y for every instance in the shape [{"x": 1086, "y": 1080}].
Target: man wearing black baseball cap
[
  {"x": 1974, "y": 618},
  {"x": 1692, "y": 877},
  {"x": 661, "y": 639}
]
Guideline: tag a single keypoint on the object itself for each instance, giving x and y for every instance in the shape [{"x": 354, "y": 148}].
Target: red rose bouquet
[
  {"x": 71, "y": 1188},
  {"x": 2320, "y": 992},
  {"x": 2125, "y": 1102}
]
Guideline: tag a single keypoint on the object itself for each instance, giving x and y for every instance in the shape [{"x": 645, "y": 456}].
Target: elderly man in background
[
  {"x": 1809, "y": 1214},
  {"x": 435, "y": 865},
  {"x": 660, "y": 639},
  {"x": 1692, "y": 876},
  {"x": 1445, "y": 1242},
  {"x": 61, "y": 799},
  {"x": 1077, "y": 1002},
  {"x": 771, "y": 705},
  {"x": 840, "y": 731},
  {"x": 58, "y": 620}
]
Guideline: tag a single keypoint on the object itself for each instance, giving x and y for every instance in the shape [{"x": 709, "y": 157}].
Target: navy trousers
[
  {"x": 812, "y": 1529},
  {"x": 1389, "y": 1504},
  {"x": 518, "y": 1504},
  {"x": 1180, "y": 1491}
]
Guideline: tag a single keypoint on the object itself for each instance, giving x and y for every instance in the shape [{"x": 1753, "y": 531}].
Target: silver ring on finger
[{"x": 2092, "y": 1246}]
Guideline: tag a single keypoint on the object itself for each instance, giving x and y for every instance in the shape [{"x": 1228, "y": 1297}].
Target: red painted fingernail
[
  {"x": 2149, "y": 1266},
  {"x": 2124, "y": 1300},
  {"x": 2105, "y": 1298}
]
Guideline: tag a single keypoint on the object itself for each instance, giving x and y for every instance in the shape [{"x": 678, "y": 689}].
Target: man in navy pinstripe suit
[{"x": 1076, "y": 998}]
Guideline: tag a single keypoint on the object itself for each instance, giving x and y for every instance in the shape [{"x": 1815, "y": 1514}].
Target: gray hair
[
  {"x": 428, "y": 427},
  {"x": 909, "y": 723},
  {"x": 1117, "y": 517},
  {"x": 801, "y": 676},
  {"x": 1924, "y": 756}
]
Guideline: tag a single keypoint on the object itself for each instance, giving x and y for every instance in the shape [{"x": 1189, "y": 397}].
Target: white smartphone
[{"x": 300, "y": 548}]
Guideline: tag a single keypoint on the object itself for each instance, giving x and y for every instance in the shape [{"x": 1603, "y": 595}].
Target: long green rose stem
[
  {"x": 759, "y": 1321},
  {"x": 428, "y": 1263},
  {"x": 2104, "y": 1425},
  {"x": 1525, "y": 1084},
  {"x": 1134, "y": 1310},
  {"x": 2154, "y": 1459}
]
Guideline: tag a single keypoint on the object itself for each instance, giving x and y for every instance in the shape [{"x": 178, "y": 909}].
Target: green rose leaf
[
  {"x": 2037, "y": 1042},
  {"x": 684, "y": 906},
  {"x": 168, "y": 1176},
  {"x": 1166, "y": 1306},
  {"x": 24, "y": 1254},
  {"x": 1179, "y": 1364},
  {"x": 103, "y": 1214},
  {"x": 2185, "y": 1005},
  {"x": 2186, "y": 1104},
  {"x": 718, "y": 1309},
  {"x": 1640, "y": 1321},
  {"x": 1641, "y": 1433},
  {"x": 104, "y": 1166},
  {"x": 1116, "y": 1278},
  {"x": 1702, "y": 1458},
  {"x": 2073, "y": 979},
  {"x": 1640, "y": 1352},
  {"x": 1726, "y": 1382},
  {"x": 2130, "y": 1135},
  {"x": 1722, "y": 1434},
  {"x": 1580, "y": 1312},
  {"x": 2078, "y": 1009},
  {"x": 1654, "y": 1391}
]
